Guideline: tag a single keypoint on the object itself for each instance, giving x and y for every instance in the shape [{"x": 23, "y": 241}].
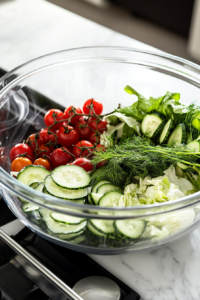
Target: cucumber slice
[
  {"x": 98, "y": 184},
  {"x": 110, "y": 199},
  {"x": 153, "y": 124},
  {"x": 178, "y": 136},
  {"x": 94, "y": 231},
  {"x": 194, "y": 146},
  {"x": 67, "y": 219},
  {"x": 58, "y": 227},
  {"x": 39, "y": 187},
  {"x": 165, "y": 132},
  {"x": 33, "y": 184},
  {"x": 80, "y": 201},
  {"x": 63, "y": 193},
  {"x": 74, "y": 238},
  {"x": 95, "y": 198},
  {"x": 107, "y": 187},
  {"x": 29, "y": 207},
  {"x": 71, "y": 177},
  {"x": 45, "y": 191},
  {"x": 103, "y": 226},
  {"x": 184, "y": 168},
  {"x": 130, "y": 228},
  {"x": 32, "y": 173},
  {"x": 189, "y": 137}
]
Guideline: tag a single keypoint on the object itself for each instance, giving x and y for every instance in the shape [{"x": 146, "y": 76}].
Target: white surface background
[{"x": 31, "y": 28}]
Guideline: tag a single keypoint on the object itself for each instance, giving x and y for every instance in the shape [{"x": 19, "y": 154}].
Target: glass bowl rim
[{"x": 54, "y": 200}]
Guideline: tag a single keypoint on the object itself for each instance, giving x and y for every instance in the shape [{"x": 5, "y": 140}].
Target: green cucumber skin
[
  {"x": 159, "y": 129},
  {"x": 183, "y": 137},
  {"x": 167, "y": 134}
]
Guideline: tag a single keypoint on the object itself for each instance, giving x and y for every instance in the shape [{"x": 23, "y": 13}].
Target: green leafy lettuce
[{"x": 168, "y": 105}]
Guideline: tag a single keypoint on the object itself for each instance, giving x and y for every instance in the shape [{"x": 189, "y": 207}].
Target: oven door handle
[{"x": 44, "y": 271}]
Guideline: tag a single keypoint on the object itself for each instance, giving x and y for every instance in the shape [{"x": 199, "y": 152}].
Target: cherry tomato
[
  {"x": 19, "y": 149},
  {"x": 97, "y": 125},
  {"x": 80, "y": 149},
  {"x": 43, "y": 151},
  {"x": 31, "y": 141},
  {"x": 42, "y": 162},
  {"x": 48, "y": 118},
  {"x": 19, "y": 163},
  {"x": 84, "y": 130},
  {"x": 83, "y": 163},
  {"x": 97, "y": 106},
  {"x": 67, "y": 136},
  {"x": 59, "y": 157},
  {"x": 69, "y": 112},
  {"x": 45, "y": 137},
  {"x": 94, "y": 138}
]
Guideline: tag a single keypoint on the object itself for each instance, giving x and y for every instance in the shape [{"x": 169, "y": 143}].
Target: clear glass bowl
[{"x": 69, "y": 78}]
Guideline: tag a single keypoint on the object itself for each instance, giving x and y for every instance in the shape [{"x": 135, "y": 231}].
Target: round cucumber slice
[
  {"x": 63, "y": 193},
  {"x": 98, "y": 184},
  {"x": 110, "y": 199},
  {"x": 107, "y": 187},
  {"x": 103, "y": 226},
  {"x": 130, "y": 228},
  {"x": 67, "y": 219},
  {"x": 32, "y": 173},
  {"x": 71, "y": 177}
]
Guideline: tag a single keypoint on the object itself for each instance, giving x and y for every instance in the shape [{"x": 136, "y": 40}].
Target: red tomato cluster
[{"x": 69, "y": 138}]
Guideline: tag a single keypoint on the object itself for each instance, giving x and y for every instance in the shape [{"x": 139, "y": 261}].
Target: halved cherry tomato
[
  {"x": 69, "y": 113},
  {"x": 21, "y": 149},
  {"x": 94, "y": 138},
  {"x": 67, "y": 136},
  {"x": 49, "y": 120},
  {"x": 59, "y": 157},
  {"x": 43, "y": 151},
  {"x": 81, "y": 149},
  {"x": 83, "y": 128},
  {"x": 19, "y": 163},
  {"x": 97, "y": 106},
  {"x": 42, "y": 162},
  {"x": 83, "y": 163}
]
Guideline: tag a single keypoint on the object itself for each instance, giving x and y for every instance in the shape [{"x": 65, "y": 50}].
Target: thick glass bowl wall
[{"x": 69, "y": 78}]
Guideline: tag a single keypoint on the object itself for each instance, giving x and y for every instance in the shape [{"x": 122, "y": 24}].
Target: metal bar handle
[{"x": 57, "y": 282}]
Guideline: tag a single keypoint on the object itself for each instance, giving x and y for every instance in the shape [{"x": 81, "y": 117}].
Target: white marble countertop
[{"x": 31, "y": 28}]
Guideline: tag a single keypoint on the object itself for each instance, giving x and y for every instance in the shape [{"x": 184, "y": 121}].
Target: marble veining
[{"x": 31, "y": 28}]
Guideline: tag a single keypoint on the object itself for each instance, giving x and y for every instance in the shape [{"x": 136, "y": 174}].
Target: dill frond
[{"x": 137, "y": 157}]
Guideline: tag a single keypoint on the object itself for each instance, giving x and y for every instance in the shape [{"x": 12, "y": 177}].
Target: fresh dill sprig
[{"x": 137, "y": 157}]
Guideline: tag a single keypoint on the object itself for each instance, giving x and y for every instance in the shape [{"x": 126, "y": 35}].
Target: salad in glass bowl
[{"x": 95, "y": 180}]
